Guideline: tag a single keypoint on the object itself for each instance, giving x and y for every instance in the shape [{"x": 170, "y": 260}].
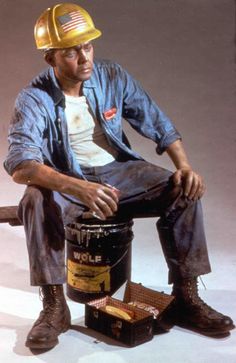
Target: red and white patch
[{"x": 110, "y": 113}]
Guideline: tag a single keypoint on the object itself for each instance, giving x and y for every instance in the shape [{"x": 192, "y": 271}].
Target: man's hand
[
  {"x": 101, "y": 199},
  {"x": 191, "y": 182}
]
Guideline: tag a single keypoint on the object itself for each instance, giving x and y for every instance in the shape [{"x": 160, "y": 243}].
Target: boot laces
[
  {"x": 51, "y": 305},
  {"x": 194, "y": 298}
]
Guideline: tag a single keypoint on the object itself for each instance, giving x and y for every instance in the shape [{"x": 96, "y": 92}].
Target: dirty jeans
[{"x": 146, "y": 191}]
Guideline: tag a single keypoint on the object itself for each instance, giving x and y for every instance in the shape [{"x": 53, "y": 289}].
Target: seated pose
[{"x": 67, "y": 145}]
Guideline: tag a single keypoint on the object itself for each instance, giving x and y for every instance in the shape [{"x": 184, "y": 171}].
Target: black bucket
[{"x": 98, "y": 258}]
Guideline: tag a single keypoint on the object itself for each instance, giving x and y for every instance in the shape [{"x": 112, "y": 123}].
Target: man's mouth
[{"x": 85, "y": 69}]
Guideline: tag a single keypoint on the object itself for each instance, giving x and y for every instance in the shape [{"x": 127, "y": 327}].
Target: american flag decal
[{"x": 73, "y": 20}]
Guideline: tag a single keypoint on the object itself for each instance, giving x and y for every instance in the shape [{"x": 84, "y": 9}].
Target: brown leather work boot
[
  {"x": 53, "y": 320},
  {"x": 191, "y": 312}
]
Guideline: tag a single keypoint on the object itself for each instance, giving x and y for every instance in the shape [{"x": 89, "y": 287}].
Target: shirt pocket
[{"x": 112, "y": 120}]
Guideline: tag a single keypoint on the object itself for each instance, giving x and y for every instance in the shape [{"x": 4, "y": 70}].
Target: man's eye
[
  {"x": 87, "y": 47},
  {"x": 70, "y": 54}
]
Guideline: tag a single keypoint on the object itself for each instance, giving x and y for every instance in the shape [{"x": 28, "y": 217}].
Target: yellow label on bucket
[{"x": 87, "y": 278}]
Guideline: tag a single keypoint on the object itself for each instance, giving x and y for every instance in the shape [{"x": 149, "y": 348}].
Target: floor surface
[{"x": 20, "y": 304}]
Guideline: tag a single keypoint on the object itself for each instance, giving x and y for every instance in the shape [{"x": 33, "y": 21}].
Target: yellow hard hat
[{"x": 63, "y": 26}]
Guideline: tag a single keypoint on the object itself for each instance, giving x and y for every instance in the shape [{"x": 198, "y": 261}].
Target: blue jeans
[{"x": 146, "y": 191}]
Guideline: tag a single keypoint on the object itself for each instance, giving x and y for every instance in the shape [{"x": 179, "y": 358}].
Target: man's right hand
[{"x": 101, "y": 199}]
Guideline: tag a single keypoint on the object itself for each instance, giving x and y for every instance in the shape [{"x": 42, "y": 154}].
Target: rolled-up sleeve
[
  {"x": 145, "y": 116},
  {"x": 25, "y": 132}
]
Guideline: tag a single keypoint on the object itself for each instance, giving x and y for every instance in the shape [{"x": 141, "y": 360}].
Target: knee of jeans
[
  {"x": 176, "y": 192},
  {"x": 178, "y": 199},
  {"x": 33, "y": 197}
]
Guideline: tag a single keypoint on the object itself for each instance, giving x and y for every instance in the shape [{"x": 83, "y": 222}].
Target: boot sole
[
  {"x": 45, "y": 345},
  {"x": 209, "y": 333},
  {"x": 174, "y": 319},
  {"x": 41, "y": 346}
]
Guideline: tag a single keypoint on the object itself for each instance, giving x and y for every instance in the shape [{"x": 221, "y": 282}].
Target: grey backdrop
[{"x": 182, "y": 51}]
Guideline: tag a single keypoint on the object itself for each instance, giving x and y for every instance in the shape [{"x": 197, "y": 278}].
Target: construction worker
[{"x": 67, "y": 145}]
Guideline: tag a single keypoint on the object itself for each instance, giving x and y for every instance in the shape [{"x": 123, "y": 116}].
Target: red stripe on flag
[{"x": 73, "y": 25}]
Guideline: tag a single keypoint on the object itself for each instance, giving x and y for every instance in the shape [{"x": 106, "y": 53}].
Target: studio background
[{"x": 183, "y": 53}]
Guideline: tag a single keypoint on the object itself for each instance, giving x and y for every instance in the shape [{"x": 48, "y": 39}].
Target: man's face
[{"x": 74, "y": 64}]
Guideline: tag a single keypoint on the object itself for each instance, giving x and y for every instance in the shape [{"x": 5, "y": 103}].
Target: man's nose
[{"x": 83, "y": 56}]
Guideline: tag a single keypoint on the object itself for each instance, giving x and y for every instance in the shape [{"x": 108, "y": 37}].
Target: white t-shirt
[{"x": 86, "y": 136}]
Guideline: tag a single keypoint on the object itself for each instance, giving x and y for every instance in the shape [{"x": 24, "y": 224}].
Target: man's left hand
[{"x": 191, "y": 182}]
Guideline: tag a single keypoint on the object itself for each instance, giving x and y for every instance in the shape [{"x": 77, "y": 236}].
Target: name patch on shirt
[{"x": 110, "y": 113}]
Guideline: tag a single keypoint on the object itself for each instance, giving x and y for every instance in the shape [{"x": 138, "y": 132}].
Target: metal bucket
[{"x": 98, "y": 258}]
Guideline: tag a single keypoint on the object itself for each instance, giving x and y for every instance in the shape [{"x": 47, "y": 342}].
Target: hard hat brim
[{"x": 77, "y": 40}]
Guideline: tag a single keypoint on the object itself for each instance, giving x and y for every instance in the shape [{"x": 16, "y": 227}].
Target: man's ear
[{"x": 49, "y": 58}]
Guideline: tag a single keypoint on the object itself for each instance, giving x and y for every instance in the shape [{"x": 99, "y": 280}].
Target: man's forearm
[
  {"x": 32, "y": 172},
  {"x": 178, "y": 155},
  {"x": 191, "y": 182}
]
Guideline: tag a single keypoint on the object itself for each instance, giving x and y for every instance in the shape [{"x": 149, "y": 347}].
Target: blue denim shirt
[{"x": 38, "y": 130}]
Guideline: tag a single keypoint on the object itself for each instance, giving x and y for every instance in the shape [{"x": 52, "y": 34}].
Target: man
[{"x": 68, "y": 147}]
